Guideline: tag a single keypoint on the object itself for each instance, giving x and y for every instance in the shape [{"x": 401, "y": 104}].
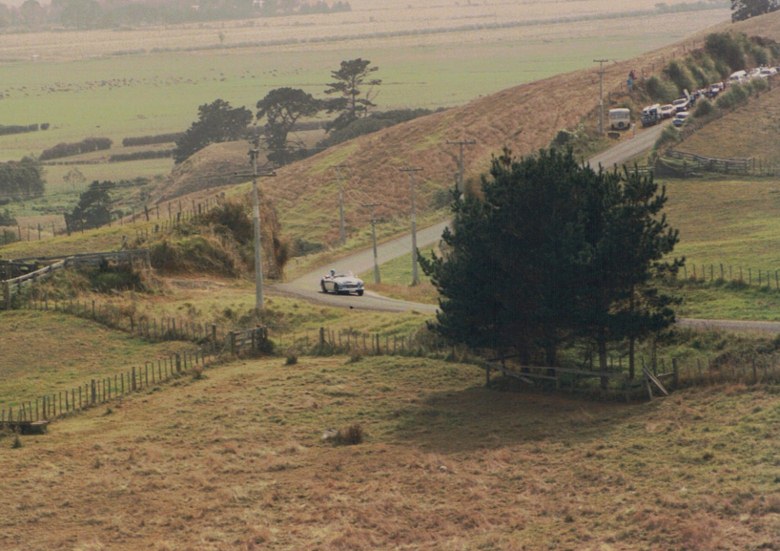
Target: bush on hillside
[
  {"x": 230, "y": 219},
  {"x": 735, "y": 96},
  {"x": 669, "y": 136},
  {"x": 302, "y": 247},
  {"x": 195, "y": 254},
  {"x": 661, "y": 91},
  {"x": 726, "y": 48},
  {"x": 703, "y": 69},
  {"x": 703, "y": 108},
  {"x": 680, "y": 75},
  {"x": 372, "y": 123},
  {"x": 8, "y": 236},
  {"x": 6, "y": 218}
]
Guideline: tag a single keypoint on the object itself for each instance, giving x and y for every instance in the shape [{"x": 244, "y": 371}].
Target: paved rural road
[{"x": 308, "y": 285}]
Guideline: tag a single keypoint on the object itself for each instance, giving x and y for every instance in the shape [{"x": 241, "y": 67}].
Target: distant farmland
[{"x": 121, "y": 83}]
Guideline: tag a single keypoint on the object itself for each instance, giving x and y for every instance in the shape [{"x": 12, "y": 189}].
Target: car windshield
[{"x": 344, "y": 274}]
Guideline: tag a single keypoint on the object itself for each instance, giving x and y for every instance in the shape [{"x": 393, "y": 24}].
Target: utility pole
[
  {"x": 342, "y": 224},
  {"x": 461, "y": 143},
  {"x": 253, "y": 152},
  {"x": 410, "y": 171},
  {"x": 377, "y": 278},
  {"x": 601, "y": 63}
]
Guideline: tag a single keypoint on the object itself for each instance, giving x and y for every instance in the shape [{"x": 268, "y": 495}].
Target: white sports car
[{"x": 341, "y": 283}]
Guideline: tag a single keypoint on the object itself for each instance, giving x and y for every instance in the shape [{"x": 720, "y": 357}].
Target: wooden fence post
[{"x": 93, "y": 393}]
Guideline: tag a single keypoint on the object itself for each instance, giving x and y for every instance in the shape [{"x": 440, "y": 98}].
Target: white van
[
  {"x": 620, "y": 118},
  {"x": 737, "y": 77}
]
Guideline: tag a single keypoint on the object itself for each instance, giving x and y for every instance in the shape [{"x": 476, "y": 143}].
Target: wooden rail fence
[{"x": 711, "y": 164}]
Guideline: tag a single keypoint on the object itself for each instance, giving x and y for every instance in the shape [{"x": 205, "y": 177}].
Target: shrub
[
  {"x": 703, "y": 108},
  {"x": 230, "y": 218},
  {"x": 726, "y": 48},
  {"x": 302, "y": 247},
  {"x": 679, "y": 74},
  {"x": 661, "y": 91},
  {"x": 195, "y": 254},
  {"x": 735, "y": 96},
  {"x": 292, "y": 359},
  {"x": 670, "y": 135},
  {"x": 372, "y": 123}
]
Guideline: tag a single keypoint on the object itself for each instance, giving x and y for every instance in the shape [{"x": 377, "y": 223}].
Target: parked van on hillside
[{"x": 620, "y": 118}]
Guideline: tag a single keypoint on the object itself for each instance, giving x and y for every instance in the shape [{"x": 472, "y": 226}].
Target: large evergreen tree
[
  {"x": 627, "y": 240},
  {"x": 551, "y": 251},
  {"x": 93, "y": 209},
  {"x": 282, "y": 108},
  {"x": 217, "y": 122},
  {"x": 351, "y": 102}
]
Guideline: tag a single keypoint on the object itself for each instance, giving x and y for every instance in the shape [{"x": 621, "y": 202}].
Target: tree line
[
  {"x": 349, "y": 98},
  {"x": 549, "y": 253}
]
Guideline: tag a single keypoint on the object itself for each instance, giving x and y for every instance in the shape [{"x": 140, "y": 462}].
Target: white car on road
[{"x": 341, "y": 283}]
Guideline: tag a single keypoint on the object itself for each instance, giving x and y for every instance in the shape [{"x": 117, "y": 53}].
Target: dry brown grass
[
  {"x": 236, "y": 461},
  {"x": 748, "y": 132}
]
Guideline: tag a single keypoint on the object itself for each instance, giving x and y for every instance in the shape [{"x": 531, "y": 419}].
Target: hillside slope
[
  {"x": 524, "y": 118},
  {"x": 748, "y": 132}
]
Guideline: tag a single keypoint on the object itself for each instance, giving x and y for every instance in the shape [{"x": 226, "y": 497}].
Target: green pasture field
[
  {"x": 44, "y": 352},
  {"x": 730, "y": 222},
  {"x": 155, "y": 93}
]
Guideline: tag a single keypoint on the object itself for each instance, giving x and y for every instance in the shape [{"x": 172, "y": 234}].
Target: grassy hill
[
  {"x": 523, "y": 118},
  {"x": 236, "y": 461},
  {"x": 750, "y": 132}
]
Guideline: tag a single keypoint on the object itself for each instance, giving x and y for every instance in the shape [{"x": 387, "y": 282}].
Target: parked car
[
  {"x": 714, "y": 89},
  {"x": 667, "y": 111},
  {"x": 767, "y": 72},
  {"x": 680, "y": 118},
  {"x": 341, "y": 283},
  {"x": 681, "y": 104}
]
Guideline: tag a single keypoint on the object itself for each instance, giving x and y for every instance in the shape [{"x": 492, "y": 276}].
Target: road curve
[{"x": 308, "y": 285}]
